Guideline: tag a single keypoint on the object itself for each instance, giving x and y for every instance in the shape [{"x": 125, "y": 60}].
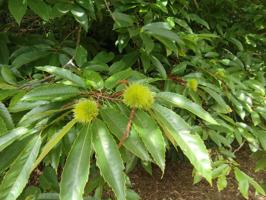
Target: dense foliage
[{"x": 89, "y": 89}]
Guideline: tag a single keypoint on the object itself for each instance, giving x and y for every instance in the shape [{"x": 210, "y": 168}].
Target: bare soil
[{"x": 177, "y": 183}]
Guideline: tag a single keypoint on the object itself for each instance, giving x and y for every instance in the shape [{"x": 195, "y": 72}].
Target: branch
[{"x": 126, "y": 133}]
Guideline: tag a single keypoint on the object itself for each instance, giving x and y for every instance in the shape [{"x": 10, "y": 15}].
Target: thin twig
[
  {"x": 109, "y": 10},
  {"x": 126, "y": 133},
  {"x": 71, "y": 60},
  {"x": 236, "y": 150},
  {"x": 177, "y": 79}
]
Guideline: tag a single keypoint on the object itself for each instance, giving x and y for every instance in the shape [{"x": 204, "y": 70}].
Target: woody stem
[{"x": 126, "y": 133}]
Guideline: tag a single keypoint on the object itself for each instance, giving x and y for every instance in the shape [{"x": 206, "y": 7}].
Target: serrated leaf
[
  {"x": 17, "y": 8},
  {"x": 11, "y": 136},
  {"x": 55, "y": 92},
  {"x": 117, "y": 123},
  {"x": 77, "y": 167},
  {"x": 151, "y": 136},
  {"x": 192, "y": 145},
  {"x": 54, "y": 141},
  {"x": 17, "y": 176},
  {"x": 108, "y": 159},
  {"x": 182, "y": 102},
  {"x": 64, "y": 73},
  {"x": 5, "y": 115}
]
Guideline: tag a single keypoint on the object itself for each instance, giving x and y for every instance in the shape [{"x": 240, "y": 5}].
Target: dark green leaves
[
  {"x": 17, "y": 8},
  {"x": 65, "y": 74},
  {"x": 109, "y": 160},
  {"x": 81, "y": 17},
  {"x": 53, "y": 92},
  {"x": 6, "y": 117},
  {"x": 160, "y": 29},
  {"x": 77, "y": 167},
  {"x": 40, "y": 8}
]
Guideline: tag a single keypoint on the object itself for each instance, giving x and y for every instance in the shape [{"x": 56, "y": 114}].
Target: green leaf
[
  {"x": 160, "y": 29},
  {"x": 88, "y": 5},
  {"x": 192, "y": 145},
  {"x": 55, "y": 92},
  {"x": 5, "y": 115},
  {"x": 36, "y": 114},
  {"x": 147, "y": 42},
  {"x": 28, "y": 57},
  {"x": 64, "y": 73},
  {"x": 3, "y": 128},
  {"x": 11, "y": 136},
  {"x": 24, "y": 105},
  {"x": 81, "y": 55},
  {"x": 77, "y": 167},
  {"x": 160, "y": 68},
  {"x": 182, "y": 102},
  {"x": 81, "y": 17},
  {"x": 8, "y": 155},
  {"x": 54, "y": 141},
  {"x": 113, "y": 80},
  {"x": 199, "y": 20},
  {"x": 40, "y": 8},
  {"x": 97, "y": 66},
  {"x": 145, "y": 59},
  {"x": 122, "y": 20},
  {"x": 151, "y": 136},
  {"x": 103, "y": 57},
  {"x": 19, "y": 172},
  {"x": 243, "y": 184},
  {"x": 221, "y": 183},
  {"x": 17, "y": 8},
  {"x": 223, "y": 107},
  {"x": 108, "y": 159},
  {"x": 8, "y": 75},
  {"x": 117, "y": 124},
  {"x": 93, "y": 79}
]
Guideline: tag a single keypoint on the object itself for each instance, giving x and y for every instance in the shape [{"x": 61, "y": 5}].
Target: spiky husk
[
  {"x": 85, "y": 111},
  {"x": 138, "y": 96}
]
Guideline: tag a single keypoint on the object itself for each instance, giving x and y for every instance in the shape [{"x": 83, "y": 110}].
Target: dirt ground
[{"x": 177, "y": 183}]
